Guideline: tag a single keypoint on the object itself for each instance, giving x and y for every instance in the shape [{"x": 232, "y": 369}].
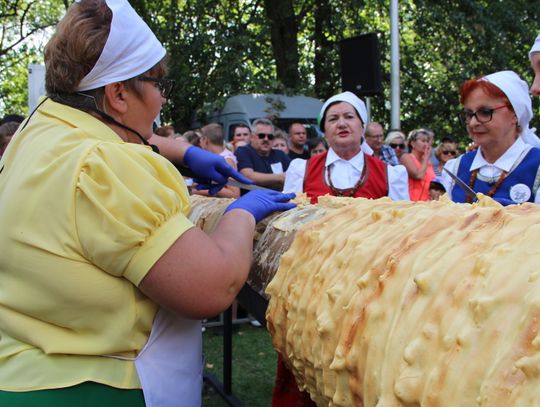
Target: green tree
[
  {"x": 445, "y": 43},
  {"x": 218, "y": 48},
  {"x": 25, "y": 25}
]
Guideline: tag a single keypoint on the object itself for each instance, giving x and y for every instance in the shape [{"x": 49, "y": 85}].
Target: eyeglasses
[
  {"x": 395, "y": 145},
  {"x": 449, "y": 152},
  {"x": 261, "y": 136},
  {"x": 165, "y": 85},
  {"x": 483, "y": 115}
]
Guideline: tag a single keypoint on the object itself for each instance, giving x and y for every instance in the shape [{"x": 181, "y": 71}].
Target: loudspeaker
[{"x": 361, "y": 65}]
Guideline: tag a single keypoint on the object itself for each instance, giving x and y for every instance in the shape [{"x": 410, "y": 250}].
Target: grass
[{"x": 254, "y": 365}]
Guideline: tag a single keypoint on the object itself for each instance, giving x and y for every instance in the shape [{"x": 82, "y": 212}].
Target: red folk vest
[{"x": 375, "y": 185}]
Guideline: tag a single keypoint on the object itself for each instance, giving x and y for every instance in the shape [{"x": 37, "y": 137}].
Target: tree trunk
[
  {"x": 323, "y": 49},
  {"x": 284, "y": 31}
]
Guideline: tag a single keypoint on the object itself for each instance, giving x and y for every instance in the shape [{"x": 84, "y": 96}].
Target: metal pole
[
  {"x": 394, "y": 63},
  {"x": 227, "y": 351}
]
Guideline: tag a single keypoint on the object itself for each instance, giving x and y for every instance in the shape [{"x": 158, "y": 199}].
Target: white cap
[
  {"x": 535, "y": 47},
  {"x": 131, "y": 49},
  {"x": 350, "y": 98},
  {"x": 517, "y": 92}
]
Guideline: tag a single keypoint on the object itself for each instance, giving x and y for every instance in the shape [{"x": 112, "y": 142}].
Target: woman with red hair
[{"x": 506, "y": 165}]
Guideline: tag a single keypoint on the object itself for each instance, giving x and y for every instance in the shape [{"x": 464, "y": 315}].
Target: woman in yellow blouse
[{"x": 102, "y": 277}]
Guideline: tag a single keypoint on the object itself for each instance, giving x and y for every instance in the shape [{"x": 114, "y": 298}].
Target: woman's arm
[
  {"x": 171, "y": 149},
  {"x": 414, "y": 171},
  {"x": 227, "y": 191},
  {"x": 206, "y": 167},
  {"x": 200, "y": 275},
  {"x": 264, "y": 179}
]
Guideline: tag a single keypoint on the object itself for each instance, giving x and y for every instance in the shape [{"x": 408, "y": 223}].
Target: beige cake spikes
[
  {"x": 380, "y": 303},
  {"x": 413, "y": 304}
]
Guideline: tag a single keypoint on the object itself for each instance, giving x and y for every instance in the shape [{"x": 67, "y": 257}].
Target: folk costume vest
[
  {"x": 518, "y": 185},
  {"x": 373, "y": 182}
]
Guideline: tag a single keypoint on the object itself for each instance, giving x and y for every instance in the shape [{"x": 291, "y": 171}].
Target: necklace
[
  {"x": 492, "y": 191},
  {"x": 348, "y": 192}
]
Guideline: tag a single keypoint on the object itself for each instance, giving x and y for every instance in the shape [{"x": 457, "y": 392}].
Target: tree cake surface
[{"x": 385, "y": 304}]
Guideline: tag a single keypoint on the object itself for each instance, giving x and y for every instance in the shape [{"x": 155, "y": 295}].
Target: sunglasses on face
[
  {"x": 483, "y": 115},
  {"x": 449, "y": 152},
  {"x": 261, "y": 136},
  {"x": 396, "y": 145},
  {"x": 165, "y": 85}
]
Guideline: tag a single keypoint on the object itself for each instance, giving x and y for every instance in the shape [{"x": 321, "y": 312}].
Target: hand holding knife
[{"x": 187, "y": 172}]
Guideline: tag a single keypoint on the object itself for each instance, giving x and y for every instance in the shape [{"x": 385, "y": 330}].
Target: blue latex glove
[
  {"x": 211, "y": 170},
  {"x": 261, "y": 203}
]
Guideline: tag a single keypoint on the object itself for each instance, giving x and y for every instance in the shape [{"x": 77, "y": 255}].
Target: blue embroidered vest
[{"x": 526, "y": 170}]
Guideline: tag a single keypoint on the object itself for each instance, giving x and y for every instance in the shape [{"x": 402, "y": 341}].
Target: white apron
[{"x": 170, "y": 366}]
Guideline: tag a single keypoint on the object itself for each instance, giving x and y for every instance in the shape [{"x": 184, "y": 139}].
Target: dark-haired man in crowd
[
  {"x": 259, "y": 162},
  {"x": 12, "y": 118},
  {"x": 297, "y": 141},
  {"x": 7, "y": 130},
  {"x": 241, "y": 135}
]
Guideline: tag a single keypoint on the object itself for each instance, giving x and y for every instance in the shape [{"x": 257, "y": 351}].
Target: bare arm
[
  {"x": 226, "y": 191},
  {"x": 413, "y": 171},
  {"x": 172, "y": 149},
  {"x": 200, "y": 275},
  {"x": 275, "y": 181}
]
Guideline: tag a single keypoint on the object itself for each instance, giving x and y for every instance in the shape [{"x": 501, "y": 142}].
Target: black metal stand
[
  {"x": 252, "y": 301},
  {"x": 256, "y": 305},
  {"x": 224, "y": 388}
]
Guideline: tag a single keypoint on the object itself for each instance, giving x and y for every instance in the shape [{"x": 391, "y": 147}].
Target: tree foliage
[
  {"x": 446, "y": 43},
  {"x": 25, "y": 25},
  {"x": 221, "y": 48}
]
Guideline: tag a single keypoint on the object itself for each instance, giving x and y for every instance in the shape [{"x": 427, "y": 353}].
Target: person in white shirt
[
  {"x": 506, "y": 165},
  {"x": 346, "y": 169}
]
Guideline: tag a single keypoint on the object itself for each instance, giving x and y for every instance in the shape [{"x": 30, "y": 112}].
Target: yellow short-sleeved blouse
[{"x": 84, "y": 216}]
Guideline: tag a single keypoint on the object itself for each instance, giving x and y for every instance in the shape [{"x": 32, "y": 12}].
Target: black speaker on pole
[{"x": 361, "y": 65}]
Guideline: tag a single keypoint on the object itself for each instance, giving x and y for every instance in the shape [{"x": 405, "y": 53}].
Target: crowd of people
[
  {"x": 103, "y": 275},
  {"x": 416, "y": 166},
  {"x": 277, "y": 158},
  {"x": 423, "y": 162}
]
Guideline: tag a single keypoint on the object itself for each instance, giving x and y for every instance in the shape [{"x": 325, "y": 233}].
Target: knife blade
[
  {"x": 467, "y": 189},
  {"x": 251, "y": 187}
]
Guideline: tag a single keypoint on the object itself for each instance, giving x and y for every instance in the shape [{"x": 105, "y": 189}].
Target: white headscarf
[
  {"x": 131, "y": 49},
  {"x": 350, "y": 98},
  {"x": 517, "y": 92},
  {"x": 535, "y": 47}
]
